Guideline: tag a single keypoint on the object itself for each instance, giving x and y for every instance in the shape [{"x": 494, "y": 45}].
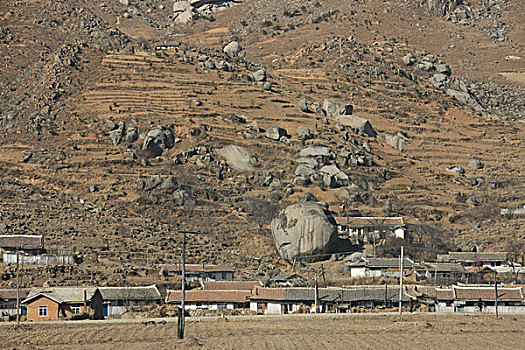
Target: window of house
[
  {"x": 75, "y": 309},
  {"x": 42, "y": 311}
]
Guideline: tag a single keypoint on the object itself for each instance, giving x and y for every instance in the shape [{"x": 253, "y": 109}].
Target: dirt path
[{"x": 424, "y": 331}]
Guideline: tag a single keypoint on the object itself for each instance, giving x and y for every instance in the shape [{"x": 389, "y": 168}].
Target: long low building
[
  {"x": 118, "y": 300},
  {"x": 210, "y": 299},
  {"x": 479, "y": 299},
  {"x": 290, "y": 300}
]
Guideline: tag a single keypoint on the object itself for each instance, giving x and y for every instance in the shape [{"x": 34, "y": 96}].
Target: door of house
[{"x": 105, "y": 310}]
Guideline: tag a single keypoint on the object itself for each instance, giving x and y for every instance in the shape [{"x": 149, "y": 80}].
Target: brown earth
[
  {"x": 422, "y": 331},
  {"x": 122, "y": 233}
]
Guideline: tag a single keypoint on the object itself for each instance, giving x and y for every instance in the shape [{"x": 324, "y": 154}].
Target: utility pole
[
  {"x": 495, "y": 293},
  {"x": 180, "y": 330},
  {"x": 401, "y": 283},
  {"x": 316, "y": 292},
  {"x": 17, "y": 288}
]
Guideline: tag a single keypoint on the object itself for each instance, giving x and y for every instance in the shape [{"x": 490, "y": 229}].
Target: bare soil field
[{"x": 423, "y": 331}]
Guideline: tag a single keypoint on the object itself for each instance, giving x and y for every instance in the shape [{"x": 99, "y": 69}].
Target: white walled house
[
  {"x": 118, "y": 300},
  {"x": 469, "y": 298},
  {"x": 366, "y": 229},
  {"x": 201, "y": 272},
  {"x": 378, "y": 267},
  {"x": 210, "y": 299}
]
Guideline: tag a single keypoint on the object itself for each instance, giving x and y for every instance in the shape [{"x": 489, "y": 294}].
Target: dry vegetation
[{"x": 290, "y": 332}]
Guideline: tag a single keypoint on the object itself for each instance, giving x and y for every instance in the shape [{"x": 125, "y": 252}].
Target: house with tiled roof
[
  {"x": 378, "y": 267},
  {"x": 8, "y": 301},
  {"x": 367, "y": 229},
  {"x": 118, "y": 300},
  {"x": 468, "y": 259},
  {"x": 45, "y": 304},
  {"x": 291, "y": 300},
  {"x": 200, "y": 272},
  {"x": 210, "y": 299},
  {"x": 479, "y": 298}
]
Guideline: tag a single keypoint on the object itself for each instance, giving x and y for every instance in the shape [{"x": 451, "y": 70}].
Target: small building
[
  {"x": 468, "y": 259},
  {"x": 198, "y": 272},
  {"x": 378, "y": 267},
  {"x": 370, "y": 229},
  {"x": 8, "y": 301},
  {"x": 118, "y": 300},
  {"x": 46, "y": 304},
  {"x": 292, "y": 300},
  {"x": 287, "y": 280},
  {"x": 440, "y": 271},
  {"x": 210, "y": 299},
  {"x": 30, "y": 244},
  {"x": 475, "y": 298}
]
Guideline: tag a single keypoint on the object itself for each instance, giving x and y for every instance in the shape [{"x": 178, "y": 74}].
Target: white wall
[
  {"x": 357, "y": 271},
  {"x": 273, "y": 308}
]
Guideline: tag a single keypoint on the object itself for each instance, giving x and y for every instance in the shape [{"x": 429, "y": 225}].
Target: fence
[{"x": 38, "y": 259}]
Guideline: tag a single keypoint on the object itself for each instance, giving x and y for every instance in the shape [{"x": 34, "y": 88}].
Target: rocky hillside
[{"x": 121, "y": 123}]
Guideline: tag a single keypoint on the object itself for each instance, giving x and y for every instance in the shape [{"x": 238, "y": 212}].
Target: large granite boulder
[
  {"x": 357, "y": 123},
  {"x": 305, "y": 231},
  {"x": 237, "y": 157},
  {"x": 334, "y": 109}
]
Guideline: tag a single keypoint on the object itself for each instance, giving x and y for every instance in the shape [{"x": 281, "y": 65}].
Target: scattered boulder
[
  {"x": 314, "y": 151},
  {"x": 395, "y": 142},
  {"x": 26, "y": 157},
  {"x": 158, "y": 140},
  {"x": 304, "y": 170},
  {"x": 237, "y": 157},
  {"x": 443, "y": 69},
  {"x": 456, "y": 170},
  {"x": 303, "y": 105},
  {"x": 259, "y": 76},
  {"x": 316, "y": 108},
  {"x": 409, "y": 59},
  {"x": 304, "y": 133},
  {"x": 232, "y": 49},
  {"x": 275, "y": 133},
  {"x": 304, "y": 230},
  {"x": 118, "y": 134},
  {"x": 476, "y": 164},
  {"x": 439, "y": 80},
  {"x": 465, "y": 98},
  {"x": 357, "y": 123},
  {"x": 334, "y": 109}
]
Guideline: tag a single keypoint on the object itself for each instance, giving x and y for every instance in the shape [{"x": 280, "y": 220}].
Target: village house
[
  {"x": 370, "y": 229},
  {"x": 197, "y": 272},
  {"x": 378, "y": 267},
  {"x": 215, "y": 295},
  {"x": 31, "y": 251},
  {"x": 30, "y": 244},
  {"x": 8, "y": 301},
  {"x": 468, "y": 259},
  {"x": 291, "y": 300},
  {"x": 476, "y": 298},
  {"x": 444, "y": 272},
  {"x": 210, "y": 299},
  {"x": 46, "y": 304},
  {"x": 118, "y": 300}
]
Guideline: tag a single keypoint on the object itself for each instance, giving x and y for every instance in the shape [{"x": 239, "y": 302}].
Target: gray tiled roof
[
  {"x": 63, "y": 294},
  {"x": 344, "y": 295},
  {"x": 21, "y": 241},
  {"x": 130, "y": 293}
]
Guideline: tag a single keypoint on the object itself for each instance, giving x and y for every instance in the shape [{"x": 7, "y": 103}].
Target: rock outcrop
[{"x": 304, "y": 231}]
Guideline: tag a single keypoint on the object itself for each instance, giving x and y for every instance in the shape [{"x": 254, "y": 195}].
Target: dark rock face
[{"x": 304, "y": 231}]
